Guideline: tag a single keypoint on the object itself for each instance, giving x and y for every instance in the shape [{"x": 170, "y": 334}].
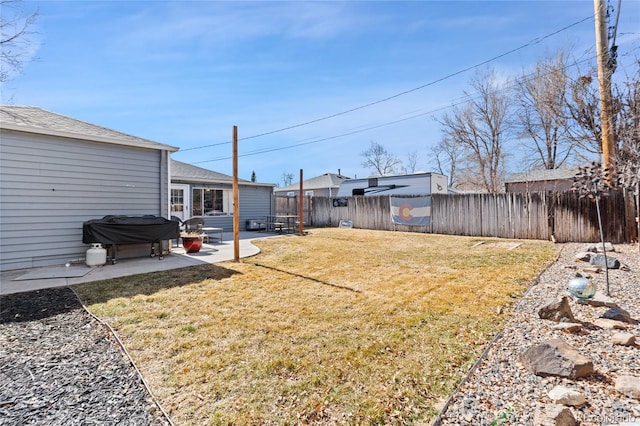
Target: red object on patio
[{"x": 192, "y": 244}]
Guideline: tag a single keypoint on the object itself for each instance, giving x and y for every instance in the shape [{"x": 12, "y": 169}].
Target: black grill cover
[{"x": 129, "y": 230}]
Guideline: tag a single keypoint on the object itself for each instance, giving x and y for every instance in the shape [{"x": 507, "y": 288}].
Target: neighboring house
[
  {"x": 200, "y": 192},
  {"x": 541, "y": 180},
  {"x": 57, "y": 172},
  {"x": 326, "y": 185},
  {"x": 414, "y": 184}
]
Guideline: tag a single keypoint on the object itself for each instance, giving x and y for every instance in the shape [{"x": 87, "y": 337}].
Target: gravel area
[
  {"x": 501, "y": 391},
  {"x": 59, "y": 366}
]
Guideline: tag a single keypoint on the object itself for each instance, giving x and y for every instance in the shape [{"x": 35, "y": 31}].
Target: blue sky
[{"x": 184, "y": 73}]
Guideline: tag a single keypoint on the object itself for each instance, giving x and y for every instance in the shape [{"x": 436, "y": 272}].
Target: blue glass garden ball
[{"x": 582, "y": 288}]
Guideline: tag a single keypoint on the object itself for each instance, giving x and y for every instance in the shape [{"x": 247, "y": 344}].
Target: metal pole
[{"x": 604, "y": 250}]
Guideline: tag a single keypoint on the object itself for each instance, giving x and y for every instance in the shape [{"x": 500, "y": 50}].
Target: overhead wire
[
  {"x": 461, "y": 101},
  {"x": 306, "y": 141},
  {"x": 394, "y": 96}
]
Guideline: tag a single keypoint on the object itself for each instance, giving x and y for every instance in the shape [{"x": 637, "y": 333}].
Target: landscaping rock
[
  {"x": 618, "y": 314},
  {"x": 565, "y": 396},
  {"x": 598, "y": 247},
  {"x": 591, "y": 248},
  {"x": 599, "y": 260},
  {"x": 607, "y": 246},
  {"x": 601, "y": 299},
  {"x": 623, "y": 339},
  {"x": 629, "y": 386},
  {"x": 501, "y": 376},
  {"x": 556, "y": 358},
  {"x": 553, "y": 415},
  {"x": 557, "y": 310},
  {"x": 584, "y": 256},
  {"x": 568, "y": 327},
  {"x": 609, "y": 324}
]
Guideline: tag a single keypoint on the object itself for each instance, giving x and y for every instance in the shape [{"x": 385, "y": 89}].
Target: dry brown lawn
[{"x": 341, "y": 326}]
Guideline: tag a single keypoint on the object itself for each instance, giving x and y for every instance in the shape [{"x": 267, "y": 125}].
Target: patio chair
[
  {"x": 195, "y": 224},
  {"x": 181, "y": 226}
]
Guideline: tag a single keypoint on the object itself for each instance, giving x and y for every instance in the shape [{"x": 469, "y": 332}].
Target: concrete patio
[{"x": 23, "y": 280}]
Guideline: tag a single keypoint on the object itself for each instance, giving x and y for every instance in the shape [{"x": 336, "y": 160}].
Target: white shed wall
[
  {"x": 416, "y": 184},
  {"x": 49, "y": 186}
]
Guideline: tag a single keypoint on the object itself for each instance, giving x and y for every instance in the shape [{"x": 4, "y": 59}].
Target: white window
[
  {"x": 211, "y": 202},
  {"x": 308, "y": 193}
]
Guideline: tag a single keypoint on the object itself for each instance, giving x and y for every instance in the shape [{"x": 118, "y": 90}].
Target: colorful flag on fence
[{"x": 414, "y": 211}]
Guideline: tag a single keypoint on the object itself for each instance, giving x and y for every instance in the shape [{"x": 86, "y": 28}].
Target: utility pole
[
  {"x": 301, "y": 207},
  {"x": 236, "y": 199},
  {"x": 604, "y": 85}
]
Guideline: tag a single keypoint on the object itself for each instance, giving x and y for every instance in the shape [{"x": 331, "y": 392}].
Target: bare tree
[
  {"x": 628, "y": 132},
  {"x": 542, "y": 116},
  {"x": 15, "y": 37},
  {"x": 287, "y": 178},
  {"x": 628, "y": 120},
  {"x": 584, "y": 111},
  {"x": 481, "y": 129},
  {"x": 380, "y": 160},
  {"x": 411, "y": 164},
  {"x": 447, "y": 155}
]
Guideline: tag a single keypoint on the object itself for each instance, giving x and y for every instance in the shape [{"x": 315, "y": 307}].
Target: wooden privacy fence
[{"x": 561, "y": 216}]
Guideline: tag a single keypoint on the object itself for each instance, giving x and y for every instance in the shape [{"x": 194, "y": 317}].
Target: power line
[
  {"x": 327, "y": 117},
  {"x": 462, "y": 100}
]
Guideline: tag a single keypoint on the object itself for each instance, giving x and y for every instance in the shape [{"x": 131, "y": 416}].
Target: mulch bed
[{"x": 59, "y": 366}]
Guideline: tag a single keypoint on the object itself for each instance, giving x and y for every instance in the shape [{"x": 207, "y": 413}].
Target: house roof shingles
[
  {"x": 36, "y": 120},
  {"x": 542, "y": 175},
  {"x": 188, "y": 173}
]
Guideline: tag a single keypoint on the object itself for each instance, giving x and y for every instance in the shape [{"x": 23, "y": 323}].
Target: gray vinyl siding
[
  {"x": 255, "y": 203},
  {"x": 50, "y": 185}
]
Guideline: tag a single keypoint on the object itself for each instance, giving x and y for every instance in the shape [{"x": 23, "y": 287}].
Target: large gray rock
[
  {"x": 611, "y": 263},
  {"x": 553, "y": 415},
  {"x": 556, "y": 358},
  {"x": 629, "y": 385},
  {"x": 618, "y": 314},
  {"x": 557, "y": 310}
]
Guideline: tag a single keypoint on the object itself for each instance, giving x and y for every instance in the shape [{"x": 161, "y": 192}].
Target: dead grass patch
[{"x": 340, "y": 326}]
